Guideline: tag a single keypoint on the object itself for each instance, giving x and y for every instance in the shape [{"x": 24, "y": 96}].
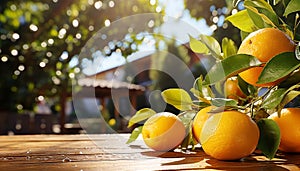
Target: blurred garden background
[{"x": 41, "y": 42}]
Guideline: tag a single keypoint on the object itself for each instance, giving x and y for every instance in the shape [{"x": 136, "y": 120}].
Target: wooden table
[{"x": 109, "y": 152}]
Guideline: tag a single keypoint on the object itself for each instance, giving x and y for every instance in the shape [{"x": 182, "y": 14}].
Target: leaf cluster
[{"x": 260, "y": 102}]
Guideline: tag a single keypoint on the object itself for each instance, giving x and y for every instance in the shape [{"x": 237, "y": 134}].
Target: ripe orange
[
  {"x": 229, "y": 135},
  {"x": 199, "y": 121},
  {"x": 163, "y": 131},
  {"x": 289, "y": 124},
  {"x": 232, "y": 89},
  {"x": 264, "y": 44}
]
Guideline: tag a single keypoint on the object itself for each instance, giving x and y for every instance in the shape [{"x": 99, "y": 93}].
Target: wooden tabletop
[{"x": 110, "y": 152}]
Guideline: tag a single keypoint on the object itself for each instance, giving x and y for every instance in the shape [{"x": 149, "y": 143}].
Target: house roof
[{"x": 110, "y": 84}]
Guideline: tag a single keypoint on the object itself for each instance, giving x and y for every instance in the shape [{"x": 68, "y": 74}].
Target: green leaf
[
  {"x": 297, "y": 51},
  {"x": 219, "y": 87},
  {"x": 213, "y": 45},
  {"x": 187, "y": 117},
  {"x": 197, "y": 46},
  {"x": 275, "y": 2},
  {"x": 289, "y": 97},
  {"x": 200, "y": 104},
  {"x": 260, "y": 4},
  {"x": 293, "y": 6},
  {"x": 269, "y": 137},
  {"x": 178, "y": 98},
  {"x": 228, "y": 47},
  {"x": 274, "y": 99},
  {"x": 218, "y": 102},
  {"x": 242, "y": 21},
  {"x": 293, "y": 79},
  {"x": 278, "y": 67},
  {"x": 257, "y": 19},
  {"x": 244, "y": 86},
  {"x": 290, "y": 94},
  {"x": 243, "y": 34},
  {"x": 201, "y": 91},
  {"x": 134, "y": 134},
  {"x": 198, "y": 85},
  {"x": 230, "y": 66},
  {"x": 188, "y": 140},
  {"x": 195, "y": 92},
  {"x": 264, "y": 10},
  {"x": 141, "y": 115}
]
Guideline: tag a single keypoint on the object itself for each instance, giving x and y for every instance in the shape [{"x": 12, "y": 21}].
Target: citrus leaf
[
  {"x": 198, "y": 85},
  {"x": 188, "y": 140},
  {"x": 293, "y": 6},
  {"x": 275, "y": 2},
  {"x": 243, "y": 34},
  {"x": 201, "y": 104},
  {"x": 134, "y": 134},
  {"x": 141, "y": 115},
  {"x": 242, "y": 21},
  {"x": 274, "y": 99},
  {"x": 187, "y": 117},
  {"x": 289, "y": 97},
  {"x": 230, "y": 66},
  {"x": 260, "y": 4},
  {"x": 293, "y": 79},
  {"x": 278, "y": 67},
  {"x": 213, "y": 45},
  {"x": 257, "y": 19},
  {"x": 219, "y": 87},
  {"x": 197, "y": 46},
  {"x": 269, "y": 20},
  {"x": 244, "y": 86},
  {"x": 178, "y": 98},
  {"x": 297, "y": 51},
  {"x": 195, "y": 92},
  {"x": 218, "y": 102},
  {"x": 290, "y": 94},
  {"x": 200, "y": 96},
  {"x": 228, "y": 47},
  {"x": 269, "y": 137},
  {"x": 264, "y": 10}
]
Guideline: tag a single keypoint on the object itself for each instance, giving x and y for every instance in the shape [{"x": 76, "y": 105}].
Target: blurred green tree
[{"x": 38, "y": 39}]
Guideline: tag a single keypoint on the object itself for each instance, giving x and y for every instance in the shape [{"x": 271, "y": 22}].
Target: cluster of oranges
[{"x": 231, "y": 134}]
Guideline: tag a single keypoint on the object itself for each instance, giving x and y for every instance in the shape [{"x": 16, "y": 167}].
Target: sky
[{"x": 178, "y": 24}]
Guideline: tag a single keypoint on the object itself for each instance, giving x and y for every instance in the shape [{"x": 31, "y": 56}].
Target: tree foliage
[{"x": 40, "y": 38}]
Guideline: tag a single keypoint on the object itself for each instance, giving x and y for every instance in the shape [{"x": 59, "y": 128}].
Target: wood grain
[{"x": 110, "y": 152}]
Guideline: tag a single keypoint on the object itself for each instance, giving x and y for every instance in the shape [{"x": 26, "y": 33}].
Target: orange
[
  {"x": 199, "y": 121},
  {"x": 232, "y": 89},
  {"x": 289, "y": 124},
  {"x": 229, "y": 135},
  {"x": 264, "y": 44},
  {"x": 163, "y": 131}
]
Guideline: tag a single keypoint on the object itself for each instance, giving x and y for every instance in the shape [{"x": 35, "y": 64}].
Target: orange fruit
[
  {"x": 289, "y": 124},
  {"x": 229, "y": 135},
  {"x": 199, "y": 121},
  {"x": 163, "y": 131},
  {"x": 232, "y": 89},
  {"x": 264, "y": 44}
]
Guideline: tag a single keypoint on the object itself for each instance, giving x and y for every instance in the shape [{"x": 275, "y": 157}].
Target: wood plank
[{"x": 109, "y": 152}]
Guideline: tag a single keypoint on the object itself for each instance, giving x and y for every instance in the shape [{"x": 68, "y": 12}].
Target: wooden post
[
  {"x": 63, "y": 99},
  {"x": 133, "y": 103}
]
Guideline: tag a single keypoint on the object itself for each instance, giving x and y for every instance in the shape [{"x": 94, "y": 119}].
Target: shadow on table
[
  {"x": 138, "y": 147},
  {"x": 281, "y": 163},
  {"x": 187, "y": 158}
]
